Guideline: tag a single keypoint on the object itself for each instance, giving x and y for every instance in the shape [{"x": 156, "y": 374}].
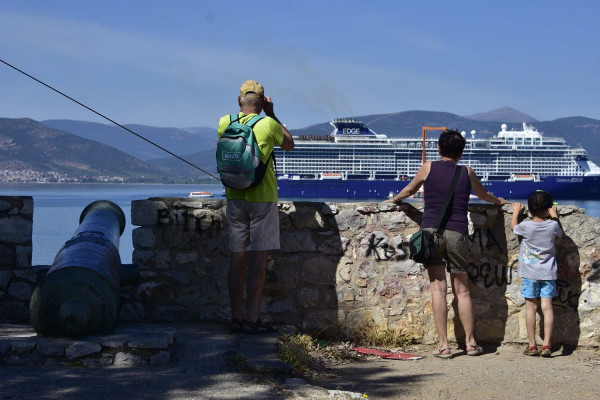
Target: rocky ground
[{"x": 499, "y": 373}]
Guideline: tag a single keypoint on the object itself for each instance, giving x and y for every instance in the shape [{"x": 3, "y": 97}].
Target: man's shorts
[
  {"x": 534, "y": 288},
  {"x": 253, "y": 226},
  {"x": 452, "y": 249}
]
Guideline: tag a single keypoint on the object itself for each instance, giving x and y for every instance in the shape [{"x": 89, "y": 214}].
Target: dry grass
[{"x": 311, "y": 354}]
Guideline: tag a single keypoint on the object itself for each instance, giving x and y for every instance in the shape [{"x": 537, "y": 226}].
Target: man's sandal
[
  {"x": 531, "y": 351},
  {"x": 258, "y": 327},
  {"x": 477, "y": 350},
  {"x": 444, "y": 352},
  {"x": 546, "y": 351},
  {"x": 237, "y": 326}
]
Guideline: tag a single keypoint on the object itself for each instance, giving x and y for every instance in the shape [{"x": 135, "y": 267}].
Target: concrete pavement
[{"x": 208, "y": 363}]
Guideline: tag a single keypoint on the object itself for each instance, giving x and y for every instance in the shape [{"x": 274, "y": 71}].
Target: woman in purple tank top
[{"x": 452, "y": 245}]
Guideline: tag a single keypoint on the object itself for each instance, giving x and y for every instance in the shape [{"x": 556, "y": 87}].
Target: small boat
[{"x": 201, "y": 194}]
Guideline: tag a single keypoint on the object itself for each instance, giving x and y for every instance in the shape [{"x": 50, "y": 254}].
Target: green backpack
[{"x": 239, "y": 161}]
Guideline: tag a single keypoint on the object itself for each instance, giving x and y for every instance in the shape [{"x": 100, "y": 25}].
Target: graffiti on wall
[{"x": 188, "y": 220}]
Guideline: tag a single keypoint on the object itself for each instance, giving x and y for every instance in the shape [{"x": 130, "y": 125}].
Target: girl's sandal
[
  {"x": 546, "y": 351},
  {"x": 531, "y": 351},
  {"x": 444, "y": 352},
  {"x": 477, "y": 350}
]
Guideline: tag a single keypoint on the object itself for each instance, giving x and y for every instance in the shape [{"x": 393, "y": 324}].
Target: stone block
[
  {"x": 27, "y": 207},
  {"x": 297, "y": 241},
  {"x": 186, "y": 257},
  {"x": 148, "y": 212},
  {"x": 81, "y": 349},
  {"x": 150, "y": 292},
  {"x": 143, "y": 238},
  {"x": 5, "y": 205},
  {"x": 161, "y": 358},
  {"x": 52, "y": 348},
  {"x": 282, "y": 306},
  {"x": 332, "y": 246},
  {"x": 23, "y": 255},
  {"x": 150, "y": 342},
  {"x": 28, "y": 274},
  {"x": 20, "y": 290},
  {"x": 319, "y": 270},
  {"x": 16, "y": 230},
  {"x": 23, "y": 345},
  {"x": 5, "y": 277},
  {"x": 14, "y": 311},
  {"x": 132, "y": 312},
  {"x": 128, "y": 360},
  {"x": 306, "y": 217},
  {"x": 350, "y": 220},
  {"x": 7, "y": 256}
]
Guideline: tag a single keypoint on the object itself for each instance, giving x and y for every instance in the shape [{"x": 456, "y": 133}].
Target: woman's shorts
[
  {"x": 452, "y": 249},
  {"x": 534, "y": 288},
  {"x": 252, "y": 226}
]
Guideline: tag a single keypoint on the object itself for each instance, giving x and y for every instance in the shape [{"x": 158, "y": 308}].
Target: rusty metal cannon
[{"x": 79, "y": 293}]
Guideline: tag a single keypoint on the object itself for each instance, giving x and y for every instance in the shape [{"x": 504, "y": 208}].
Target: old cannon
[{"x": 79, "y": 293}]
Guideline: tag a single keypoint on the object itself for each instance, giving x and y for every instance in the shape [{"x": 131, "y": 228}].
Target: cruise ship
[{"x": 353, "y": 162}]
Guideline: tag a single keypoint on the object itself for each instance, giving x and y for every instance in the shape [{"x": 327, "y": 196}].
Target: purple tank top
[{"x": 435, "y": 187}]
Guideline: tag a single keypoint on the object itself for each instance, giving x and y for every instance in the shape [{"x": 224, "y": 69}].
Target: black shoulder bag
[{"x": 422, "y": 244}]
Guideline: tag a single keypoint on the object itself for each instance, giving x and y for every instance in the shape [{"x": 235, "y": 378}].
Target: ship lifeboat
[
  {"x": 522, "y": 178},
  {"x": 331, "y": 175},
  {"x": 201, "y": 194}
]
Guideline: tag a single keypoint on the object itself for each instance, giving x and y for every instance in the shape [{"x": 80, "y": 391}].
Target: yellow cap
[{"x": 252, "y": 89}]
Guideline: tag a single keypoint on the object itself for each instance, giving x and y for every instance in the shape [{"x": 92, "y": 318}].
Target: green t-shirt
[{"x": 268, "y": 133}]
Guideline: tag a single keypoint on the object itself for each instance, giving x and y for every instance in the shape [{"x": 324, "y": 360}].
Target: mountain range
[{"x": 92, "y": 150}]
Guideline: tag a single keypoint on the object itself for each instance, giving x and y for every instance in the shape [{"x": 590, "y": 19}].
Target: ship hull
[{"x": 568, "y": 188}]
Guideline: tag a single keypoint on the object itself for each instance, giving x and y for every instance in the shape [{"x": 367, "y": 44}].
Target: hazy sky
[{"x": 180, "y": 63}]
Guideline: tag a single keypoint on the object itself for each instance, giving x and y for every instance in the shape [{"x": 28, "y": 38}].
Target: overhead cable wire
[{"x": 107, "y": 118}]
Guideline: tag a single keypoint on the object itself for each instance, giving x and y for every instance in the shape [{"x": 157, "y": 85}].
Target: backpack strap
[
  {"x": 253, "y": 121},
  {"x": 233, "y": 119}
]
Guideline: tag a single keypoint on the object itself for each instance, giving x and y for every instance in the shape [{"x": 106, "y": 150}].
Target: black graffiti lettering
[
  {"x": 501, "y": 276},
  {"x": 403, "y": 252},
  {"x": 199, "y": 219},
  {"x": 473, "y": 273},
  {"x": 472, "y": 237},
  {"x": 186, "y": 219},
  {"x": 491, "y": 239},
  {"x": 162, "y": 215},
  {"x": 565, "y": 295},
  {"x": 388, "y": 251},
  {"x": 383, "y": 251},
  {"x": 373, "y": 247}
]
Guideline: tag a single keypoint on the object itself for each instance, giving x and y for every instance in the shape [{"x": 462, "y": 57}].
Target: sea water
[{"x": 57, "y": 208}]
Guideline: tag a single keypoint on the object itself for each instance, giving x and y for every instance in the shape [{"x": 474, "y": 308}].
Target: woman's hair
[{"x": 451, "y": 143}]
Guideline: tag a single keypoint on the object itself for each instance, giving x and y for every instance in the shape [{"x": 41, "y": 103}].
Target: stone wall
[
  {"x": 346, "y": 266},
  {"x": 17, "y": 279},
  {"x": 341, "y": 266}
]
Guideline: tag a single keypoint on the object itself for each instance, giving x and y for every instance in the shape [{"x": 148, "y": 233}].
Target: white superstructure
[{"x": 352, "y": 151}]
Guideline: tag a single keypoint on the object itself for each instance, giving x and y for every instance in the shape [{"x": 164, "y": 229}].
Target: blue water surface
[{"x": 57, "y": 208}]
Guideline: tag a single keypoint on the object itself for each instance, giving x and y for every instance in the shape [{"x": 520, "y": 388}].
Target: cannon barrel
[{"x": 79, "y": 294}]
